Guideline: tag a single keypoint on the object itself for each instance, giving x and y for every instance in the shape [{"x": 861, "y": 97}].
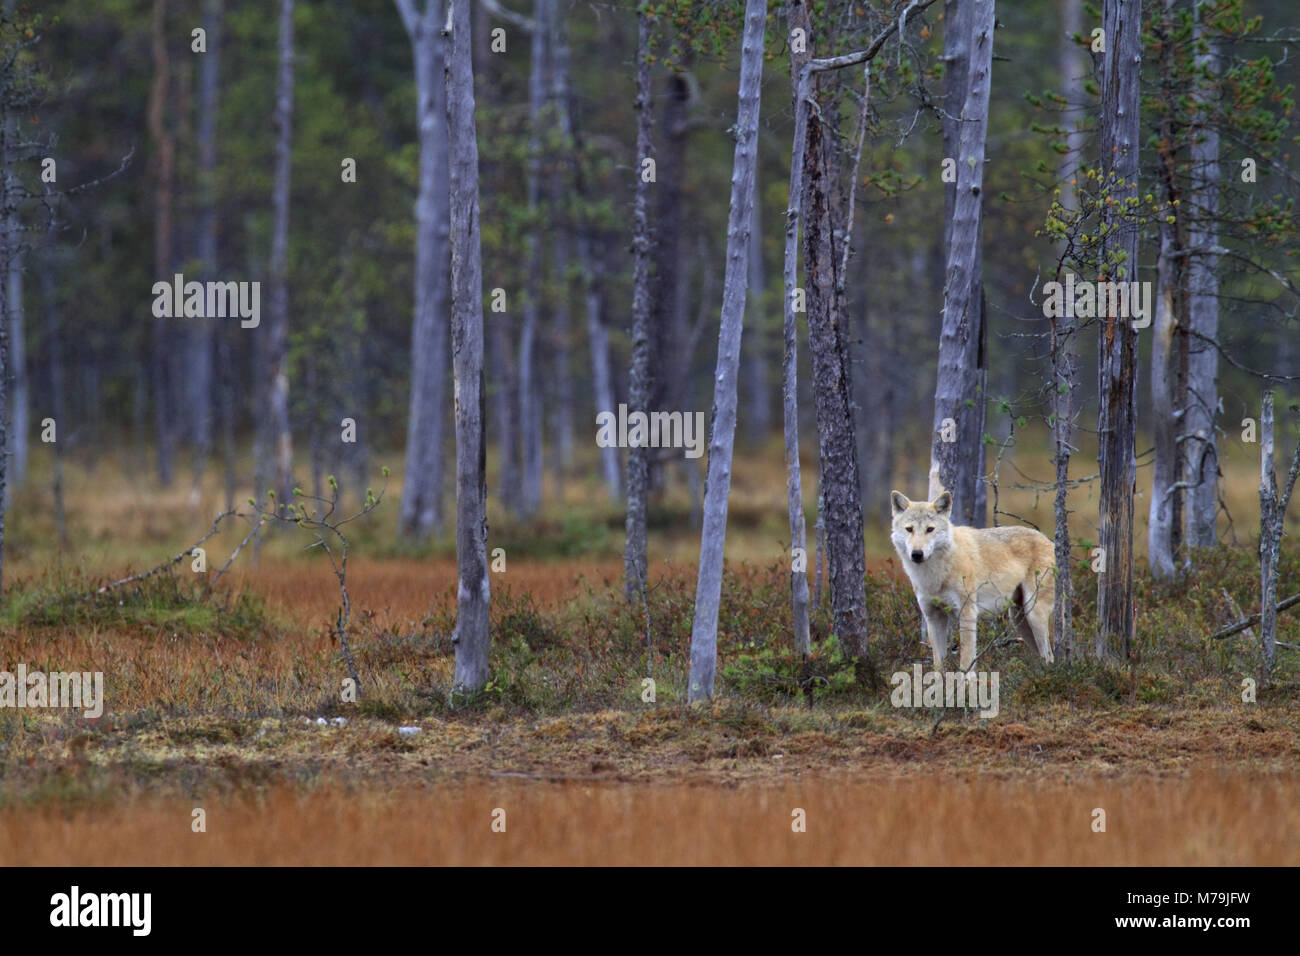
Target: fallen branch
[
  {"x": 167, "y": 564},
  {"x": 1251, "y": 621}
]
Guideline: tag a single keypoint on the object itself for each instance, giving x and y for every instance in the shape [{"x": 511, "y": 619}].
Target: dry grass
[{"x": 965, "y": 819}]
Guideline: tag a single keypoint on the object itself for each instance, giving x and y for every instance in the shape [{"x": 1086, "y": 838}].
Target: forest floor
[{"x": 229, "y": 702}]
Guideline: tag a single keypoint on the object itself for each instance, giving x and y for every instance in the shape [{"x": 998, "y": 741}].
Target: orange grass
[{"x": 1207, "y": 819}]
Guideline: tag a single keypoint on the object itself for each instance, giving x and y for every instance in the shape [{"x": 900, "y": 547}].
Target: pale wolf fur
[{"x": 957, "y": 572}]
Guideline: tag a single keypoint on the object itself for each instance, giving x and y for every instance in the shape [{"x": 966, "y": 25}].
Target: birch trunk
[
  {"x": 717, "y": 485},
  {"x": 795, "y": 16},
  {"x": 473, "y": 593},
  {"x": 634, "y": 548},
  {"x": 1202, "y": 457},
  {"x": 421, "y": 507},
  {"x": 1117, "y": 372}
]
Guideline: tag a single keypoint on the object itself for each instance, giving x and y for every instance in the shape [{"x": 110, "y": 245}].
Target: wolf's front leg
[
  {"x": 936, "y": 624},
  {"x": 966, "y": 624}
]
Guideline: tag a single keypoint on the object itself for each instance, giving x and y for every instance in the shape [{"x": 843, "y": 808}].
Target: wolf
[{"x": 957, "y": 572}]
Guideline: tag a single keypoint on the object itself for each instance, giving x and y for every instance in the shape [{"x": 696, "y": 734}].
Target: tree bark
[
  {"x": 800, "y": 91},
  {"x": 957, "y": 466},
  {"x": 164, "y": 166},
  {"x": 1202, "y": 456},
  {"x": 598, "y": 343},
  {"x": 473, "y": 595},
  {"x": 1117, "y": 373},
  {"x": 561, "y": 186},
  {"x": 278, "y": 326},
  {"x": 421, "y": 508},
  {"x": 200, "y": 397},
  {"x": 832, "y": 393},
  {"x": 717, "y": 485},
  {"x": 530, "y": 412},
  {"x": 634, "y": 548}
]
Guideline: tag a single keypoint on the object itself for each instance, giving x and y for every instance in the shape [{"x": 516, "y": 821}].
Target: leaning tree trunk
[
  {"x": 278, "y": 331},
  {"x": 474, "y": 592},
  {"x": 957, "y": 449},
  {"x": 1117, "y": 378},
  {"x": 717, "y": 486},
  {"x": 421, "y": 507},
  {"x": 634, "y": 548},
  {"x": 837, "y": 438},
  {"x": 1202, "y": 455},
  {"x": 795, "y": 16}
]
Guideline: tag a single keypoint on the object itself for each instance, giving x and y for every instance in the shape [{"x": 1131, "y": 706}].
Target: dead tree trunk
[
  {"x": 473, "y": 595},
  {"x": 1117, "y": 378},
  {"x": 164, "y": 167},
  {"x": 634, "y": 548},
  {"x": 957, "y": 449},
  {"x": 530, "y": 403},
  {"x": 200, "y": 397},
  {"x": 717, "y": 485},
  {"x": 1202, "y": 454},
  {"x": 421, "y": 508},
  {"x": 280, "y": 435},
  {"x": 795, "y": 16}
]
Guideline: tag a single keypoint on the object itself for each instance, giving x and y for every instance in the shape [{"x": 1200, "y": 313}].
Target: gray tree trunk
[
  {"x": 164, "y": 165},
  {"x": 561, "y": 185},
  {"x": 50, "y": 305},
  {"x": 1202, "y": 454},
  {"x": 1167, "y": 398},
  {"x": 473, "y": 594},
  {"x": 601, "y": 377},
  {"x": 530, "y": 402},
  {"x": 18, "y": 363},
  {"x": 634, "y": 548},
  {"x": 758, "y": 399},
  {"x": 800, "y": 91},
  {"x": 717, "y": 485},
  {"x": 200, "y": 398},
  {"x": 1269, "y": 535},
  {"x": 1117, "y": 378},
  {"x": 278, "y": 325},
  {"x": 421, "y": 508},
  {"x": 957, "y": 466}
]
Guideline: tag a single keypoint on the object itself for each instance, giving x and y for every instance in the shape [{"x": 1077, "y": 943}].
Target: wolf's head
[{"x": 921, "y": 527}]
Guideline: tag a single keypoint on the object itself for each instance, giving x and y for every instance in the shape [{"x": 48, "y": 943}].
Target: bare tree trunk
[
  {"x": 717, "y": 485},
  {"x": 473, "y": 597},
  {"x": 1117, "y": 388},
  {"x": 421, "y": 508},
  {"x": 1202, "y": 455},
  {"x": 200, "y": 397},
  {"x": 562, "y": 185},
  {"x": 957, "y": 449},
  {"x": 1166, "y": 396},
  {"x": 790, "y": 334},
  {"x": 634, "y": 548},
  {"x": 164, "y": 163},
  {"x": 278, "y": 331},
  {"x": 1269, "y": 535},
  {"x": 758, "y": 400},
  {"x": 601, "y": 377},
  {"x": 50, "y": 304},
  {"x": 837, "y": 438},
  {"x": 530, "y": 402},
  {"x": 18, "y": 362}
]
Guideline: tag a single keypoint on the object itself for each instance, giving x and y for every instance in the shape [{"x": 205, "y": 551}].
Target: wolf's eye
[
  {"x": 929, "y": 531},
  {"x": 910, "y": 529}
]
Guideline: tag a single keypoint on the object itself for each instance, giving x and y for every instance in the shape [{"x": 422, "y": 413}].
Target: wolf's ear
[
  {"x": 900, "y": 502},
  {"x": 943, "y": 504}
]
